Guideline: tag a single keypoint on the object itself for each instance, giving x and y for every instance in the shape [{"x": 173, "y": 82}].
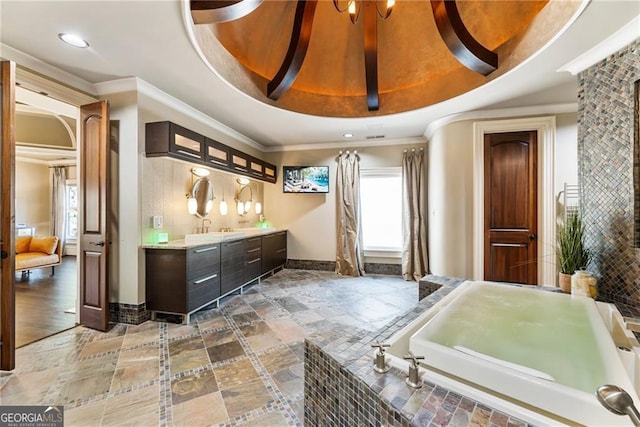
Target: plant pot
[{"x": 564, "y": 281}]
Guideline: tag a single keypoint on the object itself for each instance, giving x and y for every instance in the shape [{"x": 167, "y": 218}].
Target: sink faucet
[{"x": 205, "y": 229}]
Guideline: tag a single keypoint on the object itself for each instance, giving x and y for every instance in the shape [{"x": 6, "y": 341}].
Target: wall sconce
[
  {"x": 200, "y": 198},
  {"x": 192, "y": 205},
  {"x": 224, "y": 209},
  {"x": 244, "y": 196}
]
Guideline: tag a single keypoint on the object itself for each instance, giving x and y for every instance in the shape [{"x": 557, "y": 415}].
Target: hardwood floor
[{"x": 41, "y": 301}]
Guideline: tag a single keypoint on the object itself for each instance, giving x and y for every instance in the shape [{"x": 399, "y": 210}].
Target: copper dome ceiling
[{"x": 415, "y": 68}]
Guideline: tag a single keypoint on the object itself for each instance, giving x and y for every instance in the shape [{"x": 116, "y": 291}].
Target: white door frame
[{"x": 546, "y": 128}]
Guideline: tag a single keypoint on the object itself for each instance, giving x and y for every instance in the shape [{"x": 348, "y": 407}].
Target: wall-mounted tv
[{"x": 305, "y": 179}]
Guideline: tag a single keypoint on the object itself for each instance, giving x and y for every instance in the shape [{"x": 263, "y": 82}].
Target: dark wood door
[
  {"x": 7, "y": 216},
  {"x": 94, "y": 235},
  {"x": 510, "y": 207}
]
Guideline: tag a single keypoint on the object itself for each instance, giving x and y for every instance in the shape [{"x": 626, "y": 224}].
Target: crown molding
[
  {"x": 340, "y": 145},
  {"x": 48, "y": 78},
  {"x": 500, "y": 113},
  {"x": 147, "y": 89},
  {"x": 618, "y": 40}
]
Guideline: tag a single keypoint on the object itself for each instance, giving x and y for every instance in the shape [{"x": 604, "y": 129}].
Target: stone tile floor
[{"x": 240, "y": 364}]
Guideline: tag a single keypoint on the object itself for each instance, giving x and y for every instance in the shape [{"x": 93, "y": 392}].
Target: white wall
[
  {"x": 311, "y": 218},
  {"x": 566, "y": 156},
  {"x": 450, "y": 190},
  {"x": 450, "y": 200},
  {"x": 125, "y": 275}
]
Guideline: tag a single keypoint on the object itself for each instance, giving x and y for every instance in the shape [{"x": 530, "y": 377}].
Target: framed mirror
[{"x": 202, "y": 192}]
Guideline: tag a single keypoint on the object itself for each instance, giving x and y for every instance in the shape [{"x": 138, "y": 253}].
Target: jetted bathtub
[{"x": 537, "y": 355}]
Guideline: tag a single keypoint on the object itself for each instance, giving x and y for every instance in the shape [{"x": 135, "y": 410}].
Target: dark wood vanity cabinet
[
  {"x": 252, "y": 258},
  {"x": 231, "y": 265},
  {"x": 182, "y": 281},
  {"x": 170, "y": 139},
  {"x": 274, "y": 251}
]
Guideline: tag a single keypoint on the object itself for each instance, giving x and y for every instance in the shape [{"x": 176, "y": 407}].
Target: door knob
[
  {"x": 97, "y": 244},
  {"x": 532, "y": 236},
  {"x": 4, "y": 254}
]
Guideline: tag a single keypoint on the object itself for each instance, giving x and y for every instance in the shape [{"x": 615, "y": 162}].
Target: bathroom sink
[
  {"x": 213, "y": 237},
  {"x": 255, "y": 230}
]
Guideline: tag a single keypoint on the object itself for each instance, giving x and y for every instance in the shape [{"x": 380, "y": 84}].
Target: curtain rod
[
  {"x": 412, "y": 150},
  {"x": 64, "y": 165},
  {"x": 354, "y": 152}
]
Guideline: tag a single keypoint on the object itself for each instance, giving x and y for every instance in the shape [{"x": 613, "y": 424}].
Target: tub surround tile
[{"x": 341, "y": 360}]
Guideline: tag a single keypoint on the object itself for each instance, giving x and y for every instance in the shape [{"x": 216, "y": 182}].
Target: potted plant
[{"x": 572, "y": 253}]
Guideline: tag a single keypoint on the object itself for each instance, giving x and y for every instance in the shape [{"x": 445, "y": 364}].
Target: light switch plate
[{"x": 157, "y": 221}]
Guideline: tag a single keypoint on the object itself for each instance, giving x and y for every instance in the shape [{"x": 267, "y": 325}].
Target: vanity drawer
[
  {"x": 253, "y": 258},
  {"x": 202, "y": 290},
  {"x": 203, "y": 260}
]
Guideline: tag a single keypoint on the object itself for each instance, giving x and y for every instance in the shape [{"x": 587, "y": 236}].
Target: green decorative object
[{"x": 572, "y": 253}]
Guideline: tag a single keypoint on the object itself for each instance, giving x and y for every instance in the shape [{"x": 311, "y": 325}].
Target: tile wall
[{"x": 607, "y": 124}]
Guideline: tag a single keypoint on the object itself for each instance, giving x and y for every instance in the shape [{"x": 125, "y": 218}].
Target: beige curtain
[
  {"x": 349, "y": 258},
  {"x": 58, "y": 218},
  {"x": 415, "y": 263}
]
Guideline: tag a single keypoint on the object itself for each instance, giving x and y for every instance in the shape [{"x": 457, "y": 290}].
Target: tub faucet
[
  {"x": 380, "y": 365},
  {"x": 205, "y": 229},
  {"x": 413, "y": 380}
]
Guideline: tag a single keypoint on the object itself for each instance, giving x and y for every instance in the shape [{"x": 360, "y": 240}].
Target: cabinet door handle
[
  {"x": 186, "y": 153},
  {"x": 235, "y": 243},
  {"x": 204, "y": 279},
  {"x": 253, "y": 250},
  {"x": 281, "y": 250},
  {"x": 212, "y": 248},
  {"x": 253, "y": 260}
]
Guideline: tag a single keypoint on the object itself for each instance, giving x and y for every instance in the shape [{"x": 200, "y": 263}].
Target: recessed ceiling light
[
  {"x": 73, "y": 40},
  {"x": 347, "y": 135}
]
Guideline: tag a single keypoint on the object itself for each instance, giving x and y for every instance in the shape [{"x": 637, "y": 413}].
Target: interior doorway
[
  {"x": 545, "y": 126},
  {"x": 46, "y": 140},
  {"x": 511, "y": 207}
]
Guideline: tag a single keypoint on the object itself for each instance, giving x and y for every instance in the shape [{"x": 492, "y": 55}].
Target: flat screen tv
[{"x": 305, "y": 179}]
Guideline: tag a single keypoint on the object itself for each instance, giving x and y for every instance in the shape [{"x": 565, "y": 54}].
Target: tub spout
[
  {"x": 380, "y": 365},
  {"x": 413, "y": 380},
  {"x": 618, "y": 401}
]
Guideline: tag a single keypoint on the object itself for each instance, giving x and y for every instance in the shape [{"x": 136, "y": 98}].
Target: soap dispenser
[
  {"x": 413, "y": 380},
  {"x": 380, "y": 365}
]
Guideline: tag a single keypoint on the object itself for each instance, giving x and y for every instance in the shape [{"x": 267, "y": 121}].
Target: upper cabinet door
[
  {"x": 256, "y": 168},
  {"x": 166, "y": 138},
  {"x": 239, "y": 161},
  {"x": 270, "y": 172},
  {"x": 217, "y": 154}
]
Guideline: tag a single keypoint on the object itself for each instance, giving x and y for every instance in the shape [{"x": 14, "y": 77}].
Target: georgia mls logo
[
  {"x": 57, "y": 412},
  {"x": 31, "y": 416}
]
